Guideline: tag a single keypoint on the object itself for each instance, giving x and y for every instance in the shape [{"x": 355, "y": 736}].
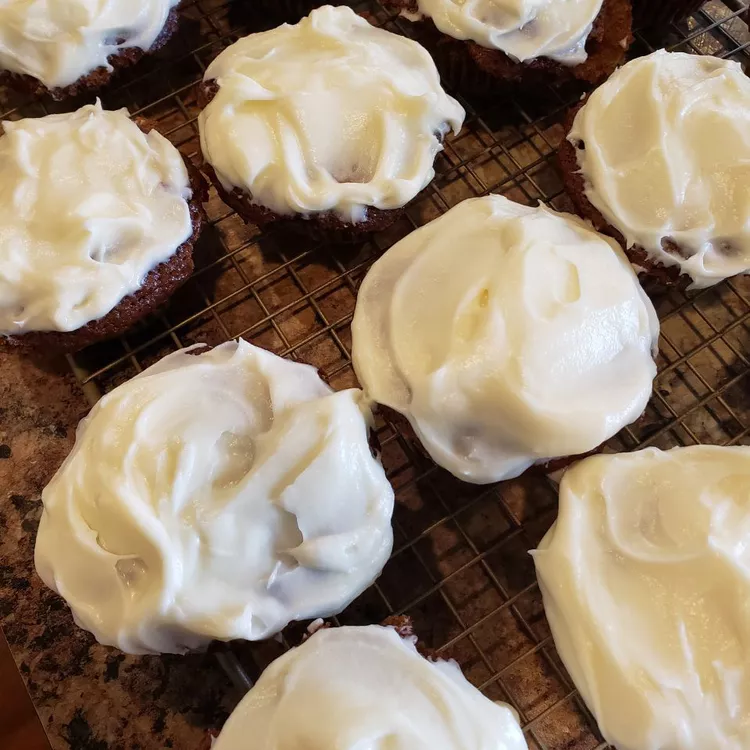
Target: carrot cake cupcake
[
  {"x": 365, "y": 687},
  {"x": 645, "y": 584},
  {"x": 99, "y": 216},
  {"x": 63, "y": 48},
  {"x": 659, "y": 158},
  {"x": 219, "y": 494},
  {"x": 331, "y": 125},
  {"x": 507, "y": 335},
  {"x": 483, "y": 46}
]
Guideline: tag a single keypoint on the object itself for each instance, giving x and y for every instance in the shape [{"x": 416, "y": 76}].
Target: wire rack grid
[{"x": 460, "y": 566}]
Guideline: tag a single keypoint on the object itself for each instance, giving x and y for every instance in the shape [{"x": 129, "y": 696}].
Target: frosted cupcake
[
  {"x": 658, "y": 157},
  {"x": 217, "y": 496},
  {"x": 330, "y": 126},
  {"x": 508, "y": 336},
  {"x": 63, "y": 48},
  {"x": 645, "y": 585},
  {"x": 485, "y": 47},
  {"x": 364, "y": 687},
  {"x": 99, "y": 215}
]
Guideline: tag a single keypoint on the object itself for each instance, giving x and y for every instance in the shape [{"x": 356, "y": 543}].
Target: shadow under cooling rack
[{"x": 460, "y": 566}]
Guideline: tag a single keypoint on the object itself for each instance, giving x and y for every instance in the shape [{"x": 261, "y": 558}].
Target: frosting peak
[
  {"x": 646, "y": 583},
  {"x": 331, "y": 114},
  {"x": 508, "y": 335},
  {"x": 522, "y": 29},
  {"x": 217, "y": 496},
  {"x": 665, "y": 160},
  {"x": 366, "y": 688}
]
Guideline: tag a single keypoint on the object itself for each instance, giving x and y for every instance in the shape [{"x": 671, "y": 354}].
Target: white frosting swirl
[
  {"x": 508, "y": 335},
  {"x": 332, "y": 114},
  {"x": 646, "y": 583},
  {"x": 60, "y": 41},
  {"x": 667, "y": 144},
  {"x": 366, "y": 688},
  {"x": 522, "y": 29},
  {"x": 217, "y": 496},
  {"x": 89, "y": 204}
]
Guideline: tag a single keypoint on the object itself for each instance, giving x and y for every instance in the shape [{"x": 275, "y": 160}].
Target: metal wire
[{"x": 460, "y": 566}]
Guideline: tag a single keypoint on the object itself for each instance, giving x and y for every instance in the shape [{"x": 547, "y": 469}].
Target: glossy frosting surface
[
  {"x": 522, "y": 29},
  {"x": 507, "y": 335},
  {"x": 217, "y": 496},
  {"x": 365, "y": 688},
  {"x": 60, "y": 41},
  {"x": 89, "y": 204},
  {"x": 667, "y": 160},
  {"x": 646, "y": 583},
  {"x": 331, "y": 114}
]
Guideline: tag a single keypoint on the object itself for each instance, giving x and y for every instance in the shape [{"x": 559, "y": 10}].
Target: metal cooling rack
[{"x": 460, "y": 566}]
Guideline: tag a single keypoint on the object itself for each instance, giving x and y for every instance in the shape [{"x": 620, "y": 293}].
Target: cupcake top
[
  {"x": 217, "y": 496},
  {"x": 365, "y": 687},
  {"x": 522, "y": 29},
  {"x": 507, "y": 335},
  {"x": 60, "y": 41},
  {"x": 89, "y": 204},
  {"x": 331, "y": 114},
  {"x": 645, "y": 583},
  {"x": 664, "y": 149}
]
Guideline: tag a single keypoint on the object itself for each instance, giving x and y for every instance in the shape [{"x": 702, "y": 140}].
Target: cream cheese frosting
[
  {"x": 522, "y": 29},
  {"x": 331, "y": 114},
  {"x": 366, "y": 688},
  {"x": 646, "y": 585},
  {"x": 61, "y": 41},
  {"x": 507, "y": 335},
  {"x": 217, "y": 496},
  {"x": 89, "y": 204},
  {"x": 666, "y": 157}
]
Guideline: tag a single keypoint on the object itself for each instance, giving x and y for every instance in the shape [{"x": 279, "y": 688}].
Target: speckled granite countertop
[{"x": 88, "y": 697}]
